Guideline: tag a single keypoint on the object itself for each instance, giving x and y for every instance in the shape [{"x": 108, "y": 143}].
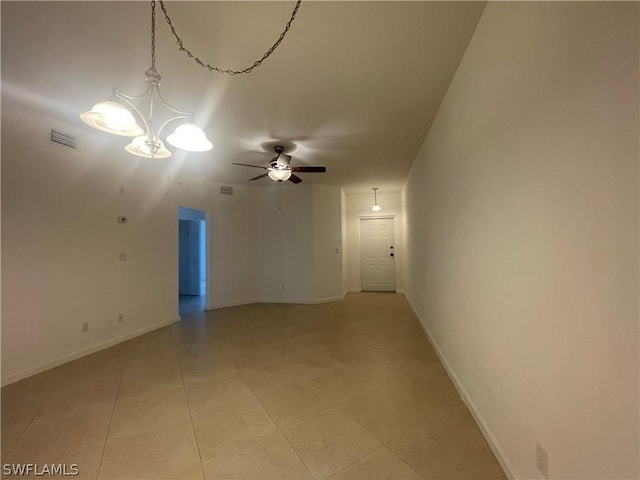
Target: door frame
[
  {"x": 375, "y": 217},
  {"x": 208, "y": 260}
]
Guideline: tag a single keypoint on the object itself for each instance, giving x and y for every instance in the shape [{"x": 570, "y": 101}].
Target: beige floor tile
[
  {"x": 191, "y": 474},
  {"x": 194, "y": 353},
  {"x": 382, "y": 415},
  {"x": 312, "y": 363},
  {"x": 247, "y": 369},
  {"x": 329, "y": 442},
  {"x": 85, "y": 464},
  {"x": 208, "y": 368},
  {"x": 20, "y": 402},
  {"x": 141, "y": 456},
  {"x": 206, "y": 393},
  {"x": 267, "y": 458},
  {"x": 249, "y": 355},
  {"x": 231, "y": 425},
  {"x": 135, "y": 415},
  {"x": 446, "y": 452},
  {"x": 268, "y": 374},
  {"x": 291, "y": 403},
  {"x": 337, "y": 385},
  {"x": 151, "y": 384},
  {"x": 381, "y": 464},
  {"x": 51, "y": 438},
  {"x": 141, "y": 363},
  {"x": 78, "y": 399}
]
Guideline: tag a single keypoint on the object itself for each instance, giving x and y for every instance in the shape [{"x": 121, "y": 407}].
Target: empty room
[{"x": 287, "y": 240}]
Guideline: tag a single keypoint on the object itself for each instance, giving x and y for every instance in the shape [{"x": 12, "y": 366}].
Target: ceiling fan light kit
[
  {"x": 279, "y": 168},
  {"x": 279, "y": 175}
]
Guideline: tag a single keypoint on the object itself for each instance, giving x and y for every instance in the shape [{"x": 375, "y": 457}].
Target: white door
[
  {"x": 378, "y": 256},
  {"x": 189, "y": 257}
]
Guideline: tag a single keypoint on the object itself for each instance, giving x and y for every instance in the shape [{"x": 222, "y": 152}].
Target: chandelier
[{"x": 120, "y": 116}]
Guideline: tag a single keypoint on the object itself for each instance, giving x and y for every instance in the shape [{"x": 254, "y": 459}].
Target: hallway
[{"x": 343, "y": 390}]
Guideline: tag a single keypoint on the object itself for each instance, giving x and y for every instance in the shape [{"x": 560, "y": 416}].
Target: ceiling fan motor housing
[{"x": 281, "y": 160}]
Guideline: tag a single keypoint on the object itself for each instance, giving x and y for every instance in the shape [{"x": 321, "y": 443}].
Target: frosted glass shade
[
  {"x": 112, "y": 117},
  {"x": 376, "y": 208},
  {"x": 190, "y": 137},
  {"x": 279, "y": 175},
  {"x": 143, "y": 147}
]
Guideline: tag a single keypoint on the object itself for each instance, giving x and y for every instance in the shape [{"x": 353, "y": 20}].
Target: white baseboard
[
  {"x": 354, "y": 290},
  {"x": 493, "y": 442},
  {"x": 34, "y": 370},
  {"x": 235, "y": 303}
]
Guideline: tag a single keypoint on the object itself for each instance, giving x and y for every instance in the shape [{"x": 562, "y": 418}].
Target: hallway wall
[{"x": 522, "y": 234}]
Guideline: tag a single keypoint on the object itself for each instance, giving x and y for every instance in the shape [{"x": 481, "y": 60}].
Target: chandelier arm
[
  {"x": 121, "y": 95},
  {"x": 126, "y": 99},
  {"x": 224, "y": 71},
  {"x": 175, "y": 110}
]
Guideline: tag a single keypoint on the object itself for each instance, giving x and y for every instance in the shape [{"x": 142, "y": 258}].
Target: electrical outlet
[
  {"x": 84, "y": 328},
  {"x": 122, "y": 256},
  {"x": 121, "y": 318},
  {"x": 542, "y": 460}
]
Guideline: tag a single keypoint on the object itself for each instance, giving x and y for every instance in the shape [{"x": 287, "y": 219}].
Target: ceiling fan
[{"x": 280, "y": 170}]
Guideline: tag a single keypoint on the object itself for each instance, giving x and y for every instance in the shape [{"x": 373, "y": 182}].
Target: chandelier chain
[
  {"x": 153, "y": 33},
  {"x": 220, "y": 70}
]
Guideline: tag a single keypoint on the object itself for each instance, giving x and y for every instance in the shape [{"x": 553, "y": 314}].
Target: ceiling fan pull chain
[
  {"x": 279, "y": 196},
  {"x": 223, "y": 71}
]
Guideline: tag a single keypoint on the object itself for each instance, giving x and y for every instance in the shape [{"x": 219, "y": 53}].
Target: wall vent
[
  {"x": 226, "y": 190},
  {"x": 62, "y": 138}
]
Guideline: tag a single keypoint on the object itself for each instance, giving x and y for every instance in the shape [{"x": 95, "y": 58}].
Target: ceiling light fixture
[
  {"x": 278, "y": 174},
  {"x": 121, "y": 116},
  {"x": 376, "y": 207}
]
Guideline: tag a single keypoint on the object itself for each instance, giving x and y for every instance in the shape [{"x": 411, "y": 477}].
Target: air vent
[
  {"x": 226, "y": 190},
  {"x": 62, "y": 138}
]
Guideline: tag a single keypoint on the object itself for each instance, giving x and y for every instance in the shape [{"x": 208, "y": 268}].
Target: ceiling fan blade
[
  {"x": 309, "y": 169},
  {"x": 247, "y": 165},
  {"x": 294, "y": 178},
  {"x": 259, "y": 176}
]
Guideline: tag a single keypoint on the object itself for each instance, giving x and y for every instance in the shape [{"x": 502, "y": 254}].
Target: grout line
[
  {"x": 13, "y": 445},
  {"x": 193, "y": 427},
  {"x": 113, "y": 409},
  {"x": 279, "y": 429}
]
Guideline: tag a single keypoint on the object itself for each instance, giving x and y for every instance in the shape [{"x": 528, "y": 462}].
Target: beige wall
[
  {"x": 60, "y": 241},
  {"x": 299, "y": 247},
  {"x": 522, "y": 234}
]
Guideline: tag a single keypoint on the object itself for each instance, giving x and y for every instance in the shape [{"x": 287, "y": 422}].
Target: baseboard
[
  {"x": 304, "y": 301},
  {"x": 235, "y": 303},
  {"x": 354, "y": 290},
  {"x": 493, "y": 442},
  {"x": 28, "y": 372}
]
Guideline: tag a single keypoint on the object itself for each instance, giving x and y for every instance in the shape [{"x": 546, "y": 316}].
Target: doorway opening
[{"x": 192, "y": 260}]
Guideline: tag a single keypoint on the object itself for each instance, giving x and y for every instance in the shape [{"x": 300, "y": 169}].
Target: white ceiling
[{"x": 354, "y": 86}]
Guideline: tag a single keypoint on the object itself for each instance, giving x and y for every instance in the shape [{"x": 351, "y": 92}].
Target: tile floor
[{"x": 344, "y": 390}]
